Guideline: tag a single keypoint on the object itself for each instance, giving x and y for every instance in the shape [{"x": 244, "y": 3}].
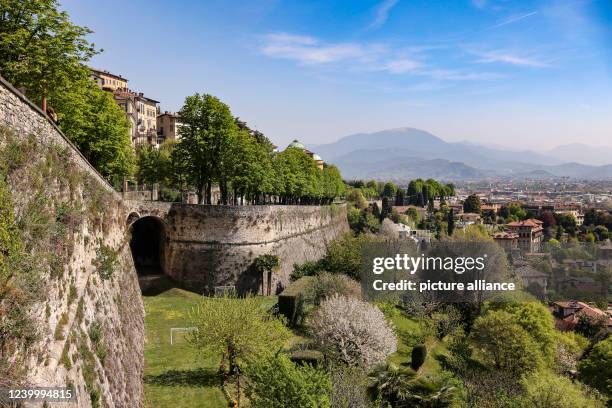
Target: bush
[
  {"x": 517, "y": 353},
  {"x": 353, "y": 332},
  {"x": 291, "y": 302},
  {"x": 326, "y": 284},
  {"x": 350, "y": 387},
  {"x": 419, "y": 353},
  {"x": 278, "y": 383},
  {"x": 308, "y": 268},
  {"x": 596, "y": 369},
  {"x": 546, "y": 390}
]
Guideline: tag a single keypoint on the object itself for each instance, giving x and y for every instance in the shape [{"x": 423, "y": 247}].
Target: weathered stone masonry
[
  {"x": 207, "y": 246},
  {"x": 203, "y": 247}
]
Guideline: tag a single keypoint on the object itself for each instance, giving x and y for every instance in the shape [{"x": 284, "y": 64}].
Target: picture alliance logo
[{"x": 412, "y": 264}]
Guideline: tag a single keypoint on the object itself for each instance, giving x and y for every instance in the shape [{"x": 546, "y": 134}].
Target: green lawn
[
  {"x": 408, "y": 333},
  {"x": 176, "y": 376}
]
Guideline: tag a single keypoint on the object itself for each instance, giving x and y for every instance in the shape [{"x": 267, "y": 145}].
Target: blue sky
[{"x": 524, "y": 74}]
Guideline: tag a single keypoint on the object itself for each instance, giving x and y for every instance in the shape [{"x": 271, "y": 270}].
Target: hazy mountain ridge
[{"x": 405, "y": 153}]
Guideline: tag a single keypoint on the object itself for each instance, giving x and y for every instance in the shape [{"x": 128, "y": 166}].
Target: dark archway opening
[{"x": 148, "y": 250}]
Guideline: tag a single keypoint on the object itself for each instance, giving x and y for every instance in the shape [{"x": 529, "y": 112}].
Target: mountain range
[{"x": 406, "y": 153}]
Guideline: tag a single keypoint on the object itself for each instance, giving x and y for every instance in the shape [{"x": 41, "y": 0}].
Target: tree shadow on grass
[{"x": 198, "y": 377}]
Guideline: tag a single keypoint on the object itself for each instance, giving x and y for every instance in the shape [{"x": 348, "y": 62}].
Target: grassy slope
[
  {"x": 176, "y": 376},
  {"x": 407, "y": 329}
]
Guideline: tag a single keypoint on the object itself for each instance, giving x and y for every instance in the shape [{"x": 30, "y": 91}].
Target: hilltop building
[
  {"x": 530, "y": 234},
  {"x": 141, "y": 111},
  {"x": 507, "y": 240},
  {"x": 108, "y": 81},
  {"x": 318, "y": 160}
]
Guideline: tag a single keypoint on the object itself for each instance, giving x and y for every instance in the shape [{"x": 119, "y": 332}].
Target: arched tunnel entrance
[{"x": 148, "y": 252}]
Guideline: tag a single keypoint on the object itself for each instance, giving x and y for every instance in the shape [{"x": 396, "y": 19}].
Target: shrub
[
  {"x": 353, "y": 332},
  {"x": 517, "y": 353},
  {"x": 278, "y": 383},
  {"x": 308, "y": 268},
  {"x": 349, "y": 387},
  {"x": 105, "y": 261},
  {"x": 546, "y": 390},
  {"x": 291, "y": 301},
  {"x": 326, "y": 284},
  {"x": 596, "y": 369},
  {"x": 419, "y": 353}
]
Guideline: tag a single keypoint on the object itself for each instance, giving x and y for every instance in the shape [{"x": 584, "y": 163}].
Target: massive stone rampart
[
  {"x": 72, "y": 225},
  {"x": 207, "y": 246},
  {"x": 90, "y": 313}
]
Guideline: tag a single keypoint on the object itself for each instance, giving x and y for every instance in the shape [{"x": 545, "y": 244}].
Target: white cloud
[
  {"x": 364, "y": 57},
  {"x": 308, "y": 50},
  {"x": 402, "y": 66},
  {"x": 506, "y": 57},
  {"x": 513, "y": 19},
  {"x": 382, "y": 13}
]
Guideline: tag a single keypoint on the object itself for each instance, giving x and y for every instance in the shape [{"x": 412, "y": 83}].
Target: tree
[
  {"x": 332, "y": 184},
  {"x": 205, "y": 147},
  {"x": 546, "y": 390},
  {"x": 238, "y": 329},
  {"x": 472, "y": 204},
  {"x": 353, "y": 332},
  {"x": 386, "y": 208},
  {"x": 389, "y": 190},
  {"x": 596, "y": 369},
  {"x": 355, "y": 196},
  {"x": 344, "y": 254},
  {"x": 154, "y": 165},
  {"x": 277, "y": 382},
  {"x": 450, "y": 222},
  {"x": 517, "y": 354},
  {"x": 399, "y": 197},
  {"x": 299, "y": 176},
  {"x": 92, "y": 120},
  {"x": 536, "y": 320},
  {"x": 41, "y": 49},
  {"x": 391, "y": 382}
]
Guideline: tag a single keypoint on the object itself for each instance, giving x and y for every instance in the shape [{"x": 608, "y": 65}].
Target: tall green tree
[
  {"x": 450, "y": 222},
  {"x": 42, "y": 51},
  {"x": 40, "y": 48},
  {"x": 472, "y": 204},
  {"x": 205, "y": 147},
  {"x": 596, "y": 368},
  {"x": 97, "y": 125},
  {"x": 518, "y": 354}
]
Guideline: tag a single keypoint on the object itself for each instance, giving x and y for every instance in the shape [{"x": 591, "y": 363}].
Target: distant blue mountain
[{"x": 406, "y": 153}]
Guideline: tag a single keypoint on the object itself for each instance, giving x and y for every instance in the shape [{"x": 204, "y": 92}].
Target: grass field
[{"x": 176, "y": 375}]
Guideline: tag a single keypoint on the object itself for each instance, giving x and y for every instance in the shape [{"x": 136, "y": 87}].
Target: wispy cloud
[
  {"x": 308, "y": 50},
  {"x": 364, "y": 57},
  {"x": 506, "y": 57},
  {"x": 513, "y": 19},
  {"x": 382, "y": 13}
]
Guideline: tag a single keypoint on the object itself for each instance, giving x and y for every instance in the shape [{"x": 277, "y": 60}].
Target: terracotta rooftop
[{"x": 531, "y": 222}]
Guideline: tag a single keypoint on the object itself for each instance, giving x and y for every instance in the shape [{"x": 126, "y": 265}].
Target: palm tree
[{"x": 391, "y": 383}]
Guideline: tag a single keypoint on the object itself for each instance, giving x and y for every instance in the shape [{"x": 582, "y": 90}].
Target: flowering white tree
[{"x": 353, "y": 331}]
